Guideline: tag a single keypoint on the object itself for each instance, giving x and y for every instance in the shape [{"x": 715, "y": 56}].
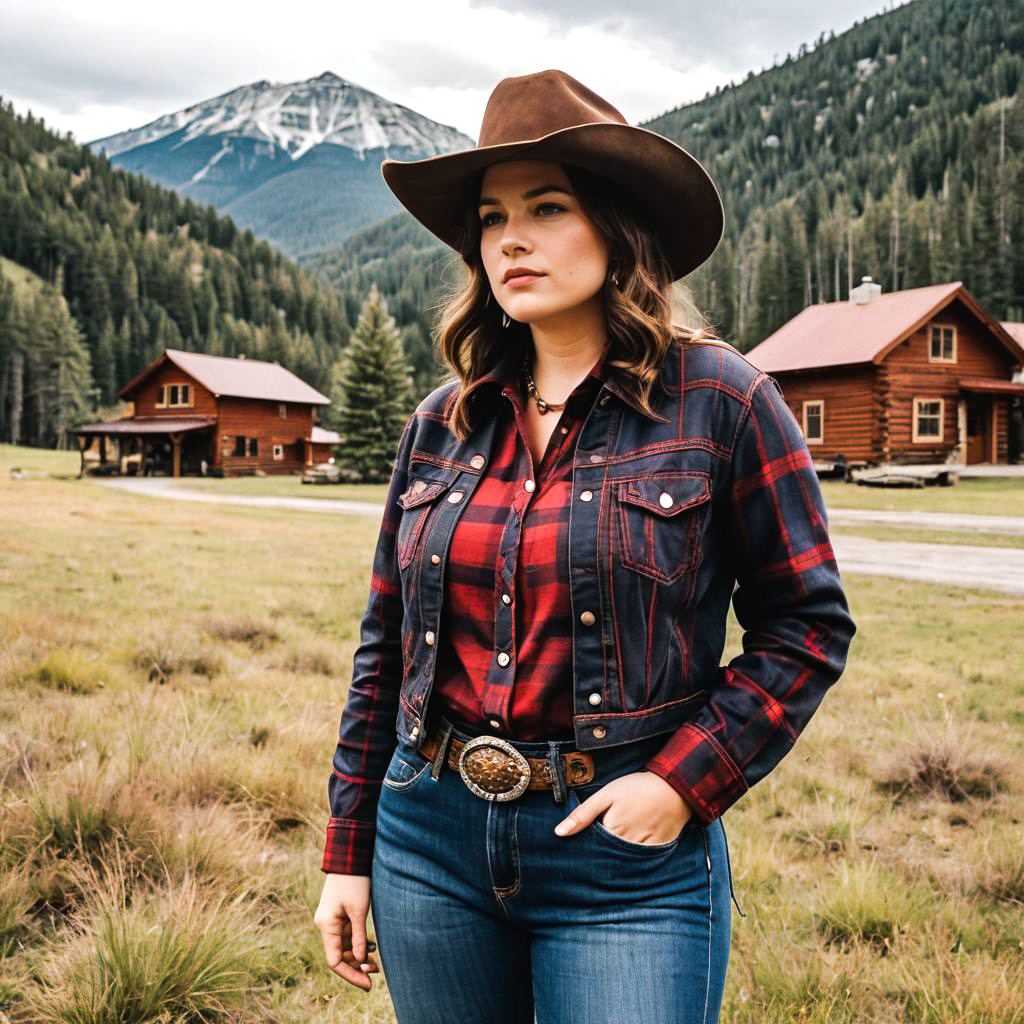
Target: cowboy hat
[{"x": 549, "y": 115}]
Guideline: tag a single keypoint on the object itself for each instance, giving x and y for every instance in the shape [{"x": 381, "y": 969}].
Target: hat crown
[{"x": 529, "y": 107}]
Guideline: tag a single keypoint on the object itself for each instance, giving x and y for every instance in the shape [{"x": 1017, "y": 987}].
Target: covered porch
[
  {"x": 989, "y": 410},
  {"x": 147, "y": 446}
]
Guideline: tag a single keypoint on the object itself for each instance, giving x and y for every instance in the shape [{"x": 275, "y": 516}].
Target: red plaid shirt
[{"x": 510, "y": 547}]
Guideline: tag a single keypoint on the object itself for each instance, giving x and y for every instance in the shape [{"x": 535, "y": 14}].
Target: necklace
[{"x": 531, "y": 387}]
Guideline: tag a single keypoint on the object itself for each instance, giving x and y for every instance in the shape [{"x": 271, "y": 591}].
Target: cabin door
[{"x": 979, "y": 428}]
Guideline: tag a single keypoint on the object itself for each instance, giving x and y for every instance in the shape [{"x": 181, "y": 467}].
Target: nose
[{"x": 513, "y": 237}]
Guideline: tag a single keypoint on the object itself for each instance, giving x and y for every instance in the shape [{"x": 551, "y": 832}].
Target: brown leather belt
[{"x": 494, "y": 769}]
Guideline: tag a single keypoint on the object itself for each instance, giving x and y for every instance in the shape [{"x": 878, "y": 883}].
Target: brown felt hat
[{"x": 551, "y": 116}]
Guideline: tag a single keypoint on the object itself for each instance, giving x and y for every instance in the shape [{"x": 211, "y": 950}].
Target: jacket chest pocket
[
  {"x": 660, "y": 519},
  {"x": 416, "y": 502}
]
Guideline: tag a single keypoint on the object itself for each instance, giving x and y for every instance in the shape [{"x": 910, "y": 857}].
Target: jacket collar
[{"x": 505, "y": 372}]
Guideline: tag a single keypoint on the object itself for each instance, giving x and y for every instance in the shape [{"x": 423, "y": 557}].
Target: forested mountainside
[
  {"x": 142, "y": 270},
  {"x": 895, "y": 149}
]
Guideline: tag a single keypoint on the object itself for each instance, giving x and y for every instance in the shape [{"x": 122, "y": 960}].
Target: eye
[
  {"x": 550, "y": 206},
  {"x": 486, "y": 221}
]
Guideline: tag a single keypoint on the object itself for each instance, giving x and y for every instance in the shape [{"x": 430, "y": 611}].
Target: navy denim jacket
[{"x": 713, "y": 498}]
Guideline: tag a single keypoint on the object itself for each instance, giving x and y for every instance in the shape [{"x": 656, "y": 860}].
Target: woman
[{"x": 565, "y": 525}]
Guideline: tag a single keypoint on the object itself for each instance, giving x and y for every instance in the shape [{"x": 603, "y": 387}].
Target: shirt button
[
  {"x": 595, "y": 698},
  {"x": 665, "y": 499},
  {"x": 429, "y": 636},
  {"x": 503, "y": 659},
  {"x": 565, "y": 430},
  {"x": 506, "y": 598},
  {"x": 415, "y": 731},
  {"x": 495, "y": 724},
  {"x": 477, "y": 461},
  {"x": 436, "y": 559},
  {"x": 586, "y": 495},
  {"x": 455, "y": 496},
  {"x": 529, "y": 485},
  {"x": 587, "y": 618},
  {"x": 599, "y": 732}
]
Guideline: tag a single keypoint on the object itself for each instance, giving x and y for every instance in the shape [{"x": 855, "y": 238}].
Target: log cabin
[
  {"x": 196, "y": 414},
  {"x": 923, "y": 376}
]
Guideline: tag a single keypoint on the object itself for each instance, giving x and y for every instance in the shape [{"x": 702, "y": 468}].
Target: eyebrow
[{"x": 487, "y": 201}]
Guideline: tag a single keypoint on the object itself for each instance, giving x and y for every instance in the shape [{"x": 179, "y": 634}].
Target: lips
[{"x": 521, "y": 275}]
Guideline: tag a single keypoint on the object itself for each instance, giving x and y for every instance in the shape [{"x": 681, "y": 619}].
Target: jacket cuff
[
  {"x": 349, "y": 847},
  {"x": 698, "y": 767}
]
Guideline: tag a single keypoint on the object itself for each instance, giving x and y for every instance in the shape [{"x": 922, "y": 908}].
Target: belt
[{"x": 494, "y": 769}]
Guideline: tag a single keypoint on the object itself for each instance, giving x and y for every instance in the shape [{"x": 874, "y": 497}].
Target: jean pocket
[
  {"x": 406, "y": 768},
  {"x": 610, "y": 838}
]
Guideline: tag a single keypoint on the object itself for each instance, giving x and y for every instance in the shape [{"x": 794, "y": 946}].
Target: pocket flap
[
  {"x": 420, "y": 492},
  {"x": 666, "y": 496}
]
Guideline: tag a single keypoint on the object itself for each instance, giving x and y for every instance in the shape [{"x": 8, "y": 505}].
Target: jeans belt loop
[
  {"x": 559, "y": 787},
  {"x": 442, "y": 752}
]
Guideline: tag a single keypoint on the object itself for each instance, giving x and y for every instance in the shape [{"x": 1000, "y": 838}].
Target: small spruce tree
[{"x": 371, "y": 393}]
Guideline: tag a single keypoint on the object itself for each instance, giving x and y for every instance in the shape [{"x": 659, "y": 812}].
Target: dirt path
[{"x": 960, "y": 565}]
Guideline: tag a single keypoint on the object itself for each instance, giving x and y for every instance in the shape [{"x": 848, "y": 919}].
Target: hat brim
[{"x": 677, "y": 192}]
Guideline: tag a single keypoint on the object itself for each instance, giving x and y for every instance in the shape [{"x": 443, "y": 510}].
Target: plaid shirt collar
[{"x": 503, "y": 378}]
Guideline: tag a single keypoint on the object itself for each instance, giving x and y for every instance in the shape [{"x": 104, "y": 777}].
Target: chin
[{"x": 536, "y": 312}]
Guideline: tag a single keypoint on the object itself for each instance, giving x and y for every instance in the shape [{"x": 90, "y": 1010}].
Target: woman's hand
[
  {"x": 643, "y": 808},
  {"x": 341, "y": 918}
]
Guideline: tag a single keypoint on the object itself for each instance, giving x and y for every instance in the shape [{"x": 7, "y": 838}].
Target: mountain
[
  {"x": 299, "y": 163},
  {"x": 894, "y": 149}
]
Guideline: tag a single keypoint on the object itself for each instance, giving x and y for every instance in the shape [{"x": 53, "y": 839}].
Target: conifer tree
[{"x": 371, "y": 392}]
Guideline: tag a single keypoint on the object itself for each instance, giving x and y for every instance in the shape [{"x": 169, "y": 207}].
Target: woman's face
[{"x": 530, "y": 218}]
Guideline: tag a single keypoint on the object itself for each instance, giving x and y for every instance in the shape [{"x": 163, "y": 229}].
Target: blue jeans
[{"x": 483, "y": 915}]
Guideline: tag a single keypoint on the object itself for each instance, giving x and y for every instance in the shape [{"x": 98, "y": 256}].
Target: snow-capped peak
[{"x": 296, "y": 117}]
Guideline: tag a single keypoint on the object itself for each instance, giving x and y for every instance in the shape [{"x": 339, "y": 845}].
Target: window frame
[
  {"x": 805, "y": 409},
  {"x": 932, "y": 358},
  {"x": 278, "y": 451},
  {"x": 282, "y": 410},
  {"x": 161, "y": 397},
  {"x": 916, "y": 436}
]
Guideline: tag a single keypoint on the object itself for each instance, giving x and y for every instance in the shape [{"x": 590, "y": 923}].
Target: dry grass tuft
[
  {"x": 257, "y": 633},
  {"x": 166, "y": 653}
]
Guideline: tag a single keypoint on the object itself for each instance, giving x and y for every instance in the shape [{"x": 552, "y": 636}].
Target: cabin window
[
  {"x": 161, "y": 397},
  {"x": 928, "y": 419},
  {"x": 278, "y": 452},
  {"x": 172, "y": 394},
  {"x": 814, "y": 421},
  {"x": 245, "y": 447},
  {"x": 943, "y": 344},
  {"x": 282, "y": 410},
  {"x": 186, "y": 394}
]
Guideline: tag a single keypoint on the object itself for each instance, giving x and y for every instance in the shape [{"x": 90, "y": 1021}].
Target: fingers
[
  {"x": 341, "y": 957},
  {"x": 583, "y": 814}
]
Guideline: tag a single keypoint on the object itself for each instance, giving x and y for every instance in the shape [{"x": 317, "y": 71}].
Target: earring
[
  {"x": 505, "y": 321},
  {"x": 615, "y": 278},
  {"x": 487, "y": 301}
]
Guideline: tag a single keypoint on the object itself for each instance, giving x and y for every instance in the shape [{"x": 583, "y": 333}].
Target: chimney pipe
[{"x": 866, "y": 292}]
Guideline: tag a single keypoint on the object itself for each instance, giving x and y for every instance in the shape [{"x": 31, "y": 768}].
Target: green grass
[
  {"x": 171, "y": 677},
  {"x": 986, "y": 496},
  {"x": 914, "y": 535}
]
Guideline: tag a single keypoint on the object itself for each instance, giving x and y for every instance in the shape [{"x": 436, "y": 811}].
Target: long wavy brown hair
[{"x": 644, "y": 312}]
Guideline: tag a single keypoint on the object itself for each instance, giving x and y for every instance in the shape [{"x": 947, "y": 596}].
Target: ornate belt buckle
[{"x": 493, "y": 769}]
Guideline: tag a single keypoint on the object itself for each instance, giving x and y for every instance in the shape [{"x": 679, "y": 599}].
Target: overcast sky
[{"x": 105, "y": 66}]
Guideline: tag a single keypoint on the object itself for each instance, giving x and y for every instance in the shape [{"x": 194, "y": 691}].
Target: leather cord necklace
[{"x": 531, "y": 387}]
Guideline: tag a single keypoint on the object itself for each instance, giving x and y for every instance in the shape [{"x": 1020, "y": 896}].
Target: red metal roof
[
  {"x": 1015, "y": 331},
  {"x": 148, "y": 425},
  {"x": 844, "y": 333},
  {"x": 318, "y": 435},
  {"x": 237, "y": 378}
]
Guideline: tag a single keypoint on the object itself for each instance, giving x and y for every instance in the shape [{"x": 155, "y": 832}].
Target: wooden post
[
  {"x": 176, "y": 457},
  {"x": 83, "y": 442}
]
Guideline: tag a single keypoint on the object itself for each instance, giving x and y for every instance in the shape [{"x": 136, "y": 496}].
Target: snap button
[
  {"x": 599, "y": 731},
  {"x": 477, "y": 461},
  {"x": 529, "y": 485},
  {"x": 586, "y": 495},
  {"x": 506, "y": 598},
  {"x": 495, "y": 724},
  {"x": 597, "y": 458},
  {"x": 436, "y": 559},
  {"x": 565, "y": 430},
  {"x": 419, "y": 485},
  {"x": 595, "y": 698},
  {"x": 429, "y": 636},
  {"x": 665, "y": 499},
  {"x": 587, "y": 618},
  {"x": 415, "y": 731},
  {"x": 503, "y": 659},
  {"x": 455, "y": 496}
]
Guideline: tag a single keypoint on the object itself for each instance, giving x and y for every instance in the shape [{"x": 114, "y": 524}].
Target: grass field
[{"x": 170, "y": 683}]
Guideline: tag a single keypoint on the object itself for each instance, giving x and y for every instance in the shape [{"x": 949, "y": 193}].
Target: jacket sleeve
[
  {"x": 366, "y": 734},
  {"x": 790, "y": 603}
]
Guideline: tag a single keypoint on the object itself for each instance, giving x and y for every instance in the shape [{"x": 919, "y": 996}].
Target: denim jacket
[{"x": 714, "y": 498}]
